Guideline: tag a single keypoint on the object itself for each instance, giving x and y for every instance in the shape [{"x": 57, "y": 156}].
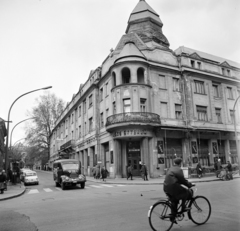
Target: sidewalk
[
  {"x": 19, "y": 189},
  {"x": 151, "y": 181},
  {"x": 13, "y": 191}
]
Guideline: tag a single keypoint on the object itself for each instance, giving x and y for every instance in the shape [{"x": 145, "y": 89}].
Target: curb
[{"x": 13, "y": 196}]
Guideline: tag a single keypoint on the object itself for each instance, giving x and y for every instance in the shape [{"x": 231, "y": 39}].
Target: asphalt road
[{"x": 101, "y": 207}]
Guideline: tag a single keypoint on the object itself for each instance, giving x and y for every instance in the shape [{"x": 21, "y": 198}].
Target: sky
[{"x": 58, "y": 42}]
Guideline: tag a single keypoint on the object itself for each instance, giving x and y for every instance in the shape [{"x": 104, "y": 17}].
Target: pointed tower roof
[
  {"x": 130, "y": 51},
  {"x": 145, "y": 22},
  {"x": 143, "y": 10}
]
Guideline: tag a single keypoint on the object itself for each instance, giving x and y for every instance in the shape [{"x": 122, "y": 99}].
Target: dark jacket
[
  {"x": 173, "y": 180},
  {"x": 229, "y": 167},
  {"x": 104, "y": 173},
  {"x": 199, "y": 168},
  {"x": 144, "y": 169},
  {"x": 129, "y": 169},
  {"x": 3, "y": 178}
]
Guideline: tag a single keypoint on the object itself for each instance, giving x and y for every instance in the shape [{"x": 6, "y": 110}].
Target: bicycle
[{"x": 159, "y": 214}]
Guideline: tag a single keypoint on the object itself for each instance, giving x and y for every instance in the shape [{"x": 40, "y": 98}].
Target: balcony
[
  {"x": 68, "y": 145},
  {"x": 124, "y": 119}
]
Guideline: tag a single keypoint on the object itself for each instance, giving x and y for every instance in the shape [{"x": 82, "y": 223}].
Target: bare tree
[{"x": 48, "y": 109}]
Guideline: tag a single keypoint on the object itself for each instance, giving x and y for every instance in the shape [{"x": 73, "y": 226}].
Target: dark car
[{"x": 67, "y": 172}]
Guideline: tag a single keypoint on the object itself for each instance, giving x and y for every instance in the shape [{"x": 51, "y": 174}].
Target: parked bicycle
[{"x": 159, "y": 214}]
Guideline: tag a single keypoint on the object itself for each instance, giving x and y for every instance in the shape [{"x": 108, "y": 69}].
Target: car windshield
[
  {"x": 31, "y": 174},
  {"x": 70, "y": 166}
]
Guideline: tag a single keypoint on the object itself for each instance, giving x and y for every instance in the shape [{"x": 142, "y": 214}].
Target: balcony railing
[{"x": 138, "y": 117}]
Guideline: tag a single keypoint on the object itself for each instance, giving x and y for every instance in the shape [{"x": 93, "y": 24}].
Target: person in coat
[
  {"x": 172, "y": 186},
  {"x": 3, "y": 179},
  {"x": 144, "y": 172},
  {"x": 104, "y": 173},
  {"x": 94, "y": 172},
  {"x": 129, "y": 171},
  {"x": 97, "y": 170},
  {"x": 199, "y": 170},
  {"x": 229, "y": 171}
]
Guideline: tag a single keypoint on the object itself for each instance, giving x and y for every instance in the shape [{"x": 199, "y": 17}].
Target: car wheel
[
  {"x": 83, "y": 185},
  {"x": 62, "y": 186}
]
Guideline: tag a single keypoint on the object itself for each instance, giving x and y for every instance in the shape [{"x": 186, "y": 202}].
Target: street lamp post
[
  {"x": 15, "y": 126},
  {"x": 235, "y": 128},
  {"x": 6, "y": 152}
]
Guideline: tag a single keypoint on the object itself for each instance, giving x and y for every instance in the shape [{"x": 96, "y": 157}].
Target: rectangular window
[
  {"x": 85, "y": 128},
  {"x": 90, "y": 124},
  {"x": 229, "y": 93},
  {"x": 163, "y": 110},
  {"x": 84, "y": 106},
  {"x": 218, "y": 115},
  {"x": 162, "y": 82},
  {"x": 192, "y": 63},
  {"x": 69, "y": 121},
  {"x": 101, "y": 94},
  {"x": 143, "y": 105},
  {"x": 126, "y": 105},
  {"x": 106, "y": 89},
  {"x": 107, "y": 113},
  {"x": 176, "y": 84},
  {"x": 199, "y": 87},
  {"x": 72, "y": 118},
  {"x": 90, "y": 101},
  {"x": 202, "y": 113},
  {"x": 232, "y": 116},
  {"x": 223, "y": 71},
  {"x": 79, "y": 111},
  {"x": 114, "y": 108},
  {"x": 101, "y": 120},
  {"x": 216, "y": 92},
  {"x": 228, "y": 73},
  {"x": 178, "y": 111},
  {"x": 79, "y": 132},
  {"x": 75, "y": 115},
  {"x": 199, "y": 65}
]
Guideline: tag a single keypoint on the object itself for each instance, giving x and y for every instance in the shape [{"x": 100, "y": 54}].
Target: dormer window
[
  {"x": 199, "y": 65},
  {"x": 192, "y": 63}
]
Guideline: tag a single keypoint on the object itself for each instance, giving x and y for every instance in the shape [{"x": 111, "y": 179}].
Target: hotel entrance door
[{"x": 134, "y": 156}]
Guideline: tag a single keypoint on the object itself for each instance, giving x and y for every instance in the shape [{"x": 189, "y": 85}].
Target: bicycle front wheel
[
  {"x": 200, "y": 210},
  {"x": 159, "y": 216}
]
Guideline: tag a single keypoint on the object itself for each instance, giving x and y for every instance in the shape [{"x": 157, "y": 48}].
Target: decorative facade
[{"x": 147, "y": 103}]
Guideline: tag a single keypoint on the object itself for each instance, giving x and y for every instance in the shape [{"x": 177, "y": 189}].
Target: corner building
[{"x": 147, "y": 103}]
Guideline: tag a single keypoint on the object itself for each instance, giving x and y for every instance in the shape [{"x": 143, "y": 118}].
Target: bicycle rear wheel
[
  {"x": 159, "y": 216},
  {"x": 200, "y": 210}
]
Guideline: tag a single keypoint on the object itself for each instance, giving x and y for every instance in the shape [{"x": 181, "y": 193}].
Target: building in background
[
  {"x": 3, "y": 134},
  {"x": 147, "y": 103}
]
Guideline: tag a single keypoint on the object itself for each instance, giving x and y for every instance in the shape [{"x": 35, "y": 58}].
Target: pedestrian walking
[
  {"x": 129, "y": 171},
  {"x": 104, "y": 173},
  {"x": 94, "y": 172},
  {"x": 229, "y": 171},
  {"x": 144, "y": 172},
  {"x": 3, "y": 179},
  {"x": 199, "y": 170},
  {"x": 97, "y": 172}
]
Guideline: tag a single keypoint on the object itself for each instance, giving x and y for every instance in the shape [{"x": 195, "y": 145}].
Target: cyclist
[{"x": 172, "y": 187}]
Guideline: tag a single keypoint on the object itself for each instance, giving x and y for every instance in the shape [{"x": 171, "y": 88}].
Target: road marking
[
  {"x": 58, "y": 189},
  {"x": 120, "y": 185},
  {"x": 33, "y": 191},
  {"x": 106, "y": 185},
  {"x": 95, "y": 186},
  {"x": 47, "y": 190}
]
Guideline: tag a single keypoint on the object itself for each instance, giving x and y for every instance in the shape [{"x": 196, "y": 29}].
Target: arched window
[
  {"x": 114, "y": 79},
  {"x": 126, "y": 75},
  {"x": 140, "y": 75}
]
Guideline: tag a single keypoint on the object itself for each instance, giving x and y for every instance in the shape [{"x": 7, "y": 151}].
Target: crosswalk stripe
[
  {"x": 120, "y": 185},
  {"x": 106, "y": 185},
  {"x": 58, "y": 189},
  {"x": 47, "y": 190},
  {"x": 95, "y": 186},
  {"x": 33, "y": 191}
]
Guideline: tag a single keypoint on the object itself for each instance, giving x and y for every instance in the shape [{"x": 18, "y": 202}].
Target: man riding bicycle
[{"x": 172, "y": 186}]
